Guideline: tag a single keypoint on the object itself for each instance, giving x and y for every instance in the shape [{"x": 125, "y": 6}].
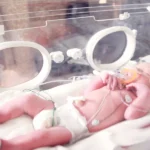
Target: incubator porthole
[
  {"x": 111, "y": 48},
  {"x": 24, "y": 65},
  {"x": 19, "y": 69}
]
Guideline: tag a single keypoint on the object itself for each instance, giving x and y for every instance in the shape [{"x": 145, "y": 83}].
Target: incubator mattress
[{"x": 100, "y": 141}]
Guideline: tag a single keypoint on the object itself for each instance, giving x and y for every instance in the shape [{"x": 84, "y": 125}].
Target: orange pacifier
[{"x": 128, "y": 75}]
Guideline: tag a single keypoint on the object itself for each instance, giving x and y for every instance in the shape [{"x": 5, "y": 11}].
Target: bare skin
[
  {"x": 31, "y": 105},
  {"x": 113, "y": 110}
]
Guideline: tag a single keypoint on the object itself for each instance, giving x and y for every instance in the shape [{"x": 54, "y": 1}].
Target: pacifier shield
[{"x": 129, "y": 75}]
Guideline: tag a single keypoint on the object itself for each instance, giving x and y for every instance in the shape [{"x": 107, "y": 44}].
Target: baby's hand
[
  {"x": 141, "y": 90},
  {"x": 111, "y": 81},
  {"x": 141, "y": 104}
]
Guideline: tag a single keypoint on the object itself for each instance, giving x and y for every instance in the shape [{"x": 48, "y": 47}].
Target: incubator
[{"x": 50, "y": 46}]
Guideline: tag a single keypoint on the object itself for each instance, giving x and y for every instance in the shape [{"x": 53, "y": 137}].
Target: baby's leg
[
  {"x": 28, "y": 104},
  {"x": 38, "y": 138}
]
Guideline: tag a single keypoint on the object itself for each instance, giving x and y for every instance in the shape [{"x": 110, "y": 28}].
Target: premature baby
[{"x": 109, "y": 99}]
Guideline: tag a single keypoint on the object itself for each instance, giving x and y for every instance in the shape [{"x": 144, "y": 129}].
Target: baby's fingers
[
  {"x": 104, "y": 76},
  {"x": 109, "y": 82},
  {"x": 120, "y": 85},
  {"x": 114, "y": 83}
]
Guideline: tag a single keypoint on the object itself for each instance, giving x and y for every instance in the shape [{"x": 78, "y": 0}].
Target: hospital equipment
[{"x": 93, "y": 52}]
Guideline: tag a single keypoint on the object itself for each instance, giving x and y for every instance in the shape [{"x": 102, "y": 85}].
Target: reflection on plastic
[{"x": 14, "y": 71}]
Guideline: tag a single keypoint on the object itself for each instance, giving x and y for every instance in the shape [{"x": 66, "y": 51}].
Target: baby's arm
[
  {"x": 141, "y": 105},
  {"x": 104, "y": 79},
  {"x": 97, "y": 82},
  {"x": 38, "y": 138},
  {"x": 136, "y": 110}
]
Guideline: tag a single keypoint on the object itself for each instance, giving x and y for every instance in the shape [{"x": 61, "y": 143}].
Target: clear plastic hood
[{"x": 44, "y": 40}]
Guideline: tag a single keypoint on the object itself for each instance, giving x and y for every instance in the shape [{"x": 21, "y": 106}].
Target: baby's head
[{"x": 144, "y": 71}]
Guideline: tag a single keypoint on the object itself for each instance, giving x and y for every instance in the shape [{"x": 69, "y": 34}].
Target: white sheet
[{"x": 103, "y": 140}]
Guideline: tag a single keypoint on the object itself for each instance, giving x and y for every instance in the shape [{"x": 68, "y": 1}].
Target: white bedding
[{"x": 103, "y": 140}]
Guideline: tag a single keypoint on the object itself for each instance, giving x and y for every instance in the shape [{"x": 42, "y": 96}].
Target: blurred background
[{"x": 59, "y": 25}]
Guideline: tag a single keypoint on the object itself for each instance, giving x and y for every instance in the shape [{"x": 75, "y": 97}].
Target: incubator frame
[{"x": 47, "y": 58}]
